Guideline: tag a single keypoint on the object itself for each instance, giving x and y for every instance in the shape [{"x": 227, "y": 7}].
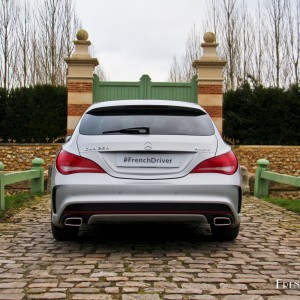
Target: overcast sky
[{"x": 136, "y": 37}]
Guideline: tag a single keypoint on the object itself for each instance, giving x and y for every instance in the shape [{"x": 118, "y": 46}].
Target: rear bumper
[
  {"x": 196, "y": 197},
  {"x": 98, "y": 212}
]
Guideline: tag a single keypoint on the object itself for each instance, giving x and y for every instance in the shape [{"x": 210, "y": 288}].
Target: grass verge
[
  {"x": 16, "y": 202},
  {"x": 292, "y": 205}
]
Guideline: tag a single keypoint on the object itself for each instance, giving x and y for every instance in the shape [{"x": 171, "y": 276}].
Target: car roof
[{"x": 143, "y": 102}]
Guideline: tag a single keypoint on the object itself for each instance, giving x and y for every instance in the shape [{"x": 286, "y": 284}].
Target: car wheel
[
  {"x": 222, "y": 234},
  {"x": 64, "y": 234}
]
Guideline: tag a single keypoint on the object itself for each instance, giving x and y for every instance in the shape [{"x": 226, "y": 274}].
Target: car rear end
[{"x": 146, "y": 160}]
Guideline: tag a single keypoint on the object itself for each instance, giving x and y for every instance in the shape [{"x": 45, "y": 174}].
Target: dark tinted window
[{"x": 160, "y": 121}]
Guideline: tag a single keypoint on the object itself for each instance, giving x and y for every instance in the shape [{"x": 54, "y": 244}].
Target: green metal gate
[{"x": 144, "y": 89}]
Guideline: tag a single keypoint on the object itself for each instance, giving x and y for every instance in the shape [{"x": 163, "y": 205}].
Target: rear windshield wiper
[{"x": 133, "y": 130}]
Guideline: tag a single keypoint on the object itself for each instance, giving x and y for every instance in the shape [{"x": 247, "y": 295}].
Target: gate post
[
  {"x": 210, "y": 79},
  {"x": 37, "y": 184},
  {"x": 261, "y": 186},
  {"x": 79, "y": 80},
  {"x": 2, "y": 196},
  {"x": 145, "y": 87}
]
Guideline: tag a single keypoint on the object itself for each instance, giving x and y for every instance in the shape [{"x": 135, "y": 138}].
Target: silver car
[{"x": 146, "y": 160}]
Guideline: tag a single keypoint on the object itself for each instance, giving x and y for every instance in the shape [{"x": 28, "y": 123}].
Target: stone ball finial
[
  {"x": 82, "y": 35},
  {"x": 209, "y": 37}
]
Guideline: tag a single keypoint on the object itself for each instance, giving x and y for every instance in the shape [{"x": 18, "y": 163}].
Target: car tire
[
  {"x": 223, "y": 234},
  {"x": 64, "y": 234}
]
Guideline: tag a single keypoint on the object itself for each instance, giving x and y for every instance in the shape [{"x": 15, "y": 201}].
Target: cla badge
[
  {"x": 97, "y": 148},
  {"x": 148, "y": 146}
]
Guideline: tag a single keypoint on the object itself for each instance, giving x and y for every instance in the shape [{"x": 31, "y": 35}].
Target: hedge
[
  {"x": 262, "y": 116},
  {"x": 253, "y": 115},
  {"x": 35, "y": 114}
]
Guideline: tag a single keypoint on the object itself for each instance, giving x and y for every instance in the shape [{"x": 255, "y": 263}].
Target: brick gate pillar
[
  {"x": 210, "y": 79},
  {"x": 79, "y": 79}
]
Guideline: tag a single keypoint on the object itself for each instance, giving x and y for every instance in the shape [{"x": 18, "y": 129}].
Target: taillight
[
  {"x": 226, "y": 163},
  {"x": 68, "y": 163}
]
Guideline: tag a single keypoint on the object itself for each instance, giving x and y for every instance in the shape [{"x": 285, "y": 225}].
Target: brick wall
[
  {"x": 80, "y": 87},
  {"x": 214, "y": 111},
  {"x": 77, "y": 109},
  {"x": 283, "y": 159},
  {"x": 210, "y": 89}
]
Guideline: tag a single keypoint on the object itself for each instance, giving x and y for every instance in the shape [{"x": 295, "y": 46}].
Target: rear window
[{"x": 150, "y": 120}]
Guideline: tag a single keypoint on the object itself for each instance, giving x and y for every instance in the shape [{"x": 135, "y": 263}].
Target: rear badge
[
  {"x": 91, "y": 149},
  {"x": 148, "y": 146},
  {"x": 202, "y": 149}
]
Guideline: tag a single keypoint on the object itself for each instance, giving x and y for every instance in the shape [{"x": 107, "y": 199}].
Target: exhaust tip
[
  {"x": 222, "y": 221},
  {"x": 73, "y": 221}
]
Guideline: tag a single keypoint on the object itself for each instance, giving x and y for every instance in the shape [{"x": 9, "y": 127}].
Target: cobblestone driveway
[{"x": 152, "y": 262}]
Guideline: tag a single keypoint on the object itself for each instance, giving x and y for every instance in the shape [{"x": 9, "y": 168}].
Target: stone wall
[
  {"x": 17, "y": 157},
  {"x": 283, "y": 159}
]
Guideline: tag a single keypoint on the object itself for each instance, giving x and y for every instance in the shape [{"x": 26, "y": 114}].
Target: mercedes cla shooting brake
[{"x": 146, "y": 160}]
